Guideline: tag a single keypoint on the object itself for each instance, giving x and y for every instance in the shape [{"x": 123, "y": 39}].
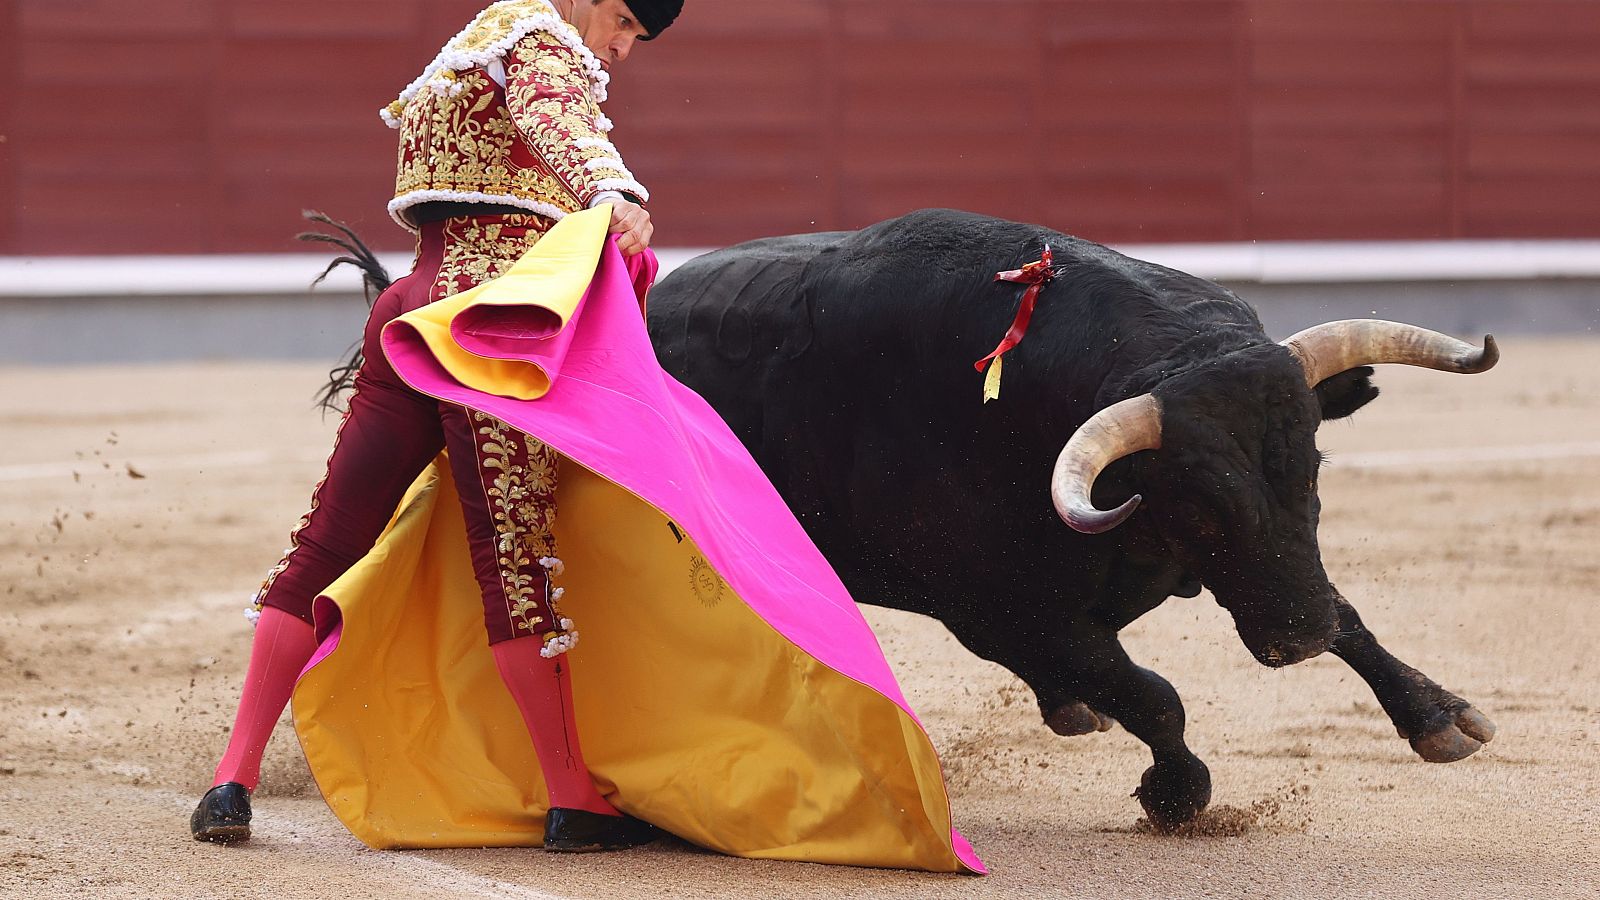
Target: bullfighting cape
[{"x": 728, "y": 690}]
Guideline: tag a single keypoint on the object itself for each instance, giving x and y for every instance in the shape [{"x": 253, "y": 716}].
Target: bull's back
[
  {"x": 722, "y": 322},
  {"x": 831, "y": 355},
  {"x": 712, "y": 306}
]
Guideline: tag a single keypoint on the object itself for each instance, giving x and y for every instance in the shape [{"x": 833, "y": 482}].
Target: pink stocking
[
  {"x": 283, "y": 645},
  {"x": 543, "y": 693}
]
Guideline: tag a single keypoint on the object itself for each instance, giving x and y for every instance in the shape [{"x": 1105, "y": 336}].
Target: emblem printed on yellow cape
[{"x": 705, "y": 582}]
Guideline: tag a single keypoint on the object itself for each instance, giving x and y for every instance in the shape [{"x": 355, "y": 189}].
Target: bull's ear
[{"x": 1346, "y": 392}]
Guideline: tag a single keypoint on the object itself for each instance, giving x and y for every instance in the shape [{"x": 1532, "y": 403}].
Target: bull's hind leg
[{"x": 1440, "y": 726}]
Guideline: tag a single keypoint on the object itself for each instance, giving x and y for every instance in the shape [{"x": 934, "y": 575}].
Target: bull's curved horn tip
[
  {"x": 1101, "y": 520},
  {"x": 1487, "y": 357}
]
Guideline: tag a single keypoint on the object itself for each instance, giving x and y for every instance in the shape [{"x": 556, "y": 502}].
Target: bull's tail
[{"x": 374, "y": 279}]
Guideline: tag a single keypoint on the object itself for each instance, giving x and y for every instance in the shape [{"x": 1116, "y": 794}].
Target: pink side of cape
[{"x": 614, "y": 410}]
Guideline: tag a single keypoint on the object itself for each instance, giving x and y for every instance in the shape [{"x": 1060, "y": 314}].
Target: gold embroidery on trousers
[{"x": 519, "y": 476}]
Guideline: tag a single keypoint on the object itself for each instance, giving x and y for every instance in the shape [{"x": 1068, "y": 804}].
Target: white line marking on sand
[
  {"x": 452, "y": 881},
  {"x": 432, "y": 874}
]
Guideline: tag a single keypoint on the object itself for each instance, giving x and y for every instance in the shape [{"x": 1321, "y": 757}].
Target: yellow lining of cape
[
  {"x": 552, "y": 276},
  {"x": 695, "y": 713}
]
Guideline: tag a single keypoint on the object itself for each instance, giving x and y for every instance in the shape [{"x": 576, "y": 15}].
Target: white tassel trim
[
  {"x": 598, "y": 144},
  {"x": 252, "y": 613},
  {"x": 622, "y": 184},
  {"x": 400, "y": 204},
  {"x": 602, "y": 124},
  {"x": 453, "y": 59},
  {"x": 560, "y": 643},
  {"x": 607, "y": 162},
  {"x": 447, "y": 87}
]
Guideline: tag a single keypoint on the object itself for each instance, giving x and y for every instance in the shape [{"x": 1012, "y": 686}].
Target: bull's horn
[
  {"x": 1114, "y": 432},
  {"x": 1328, "y": 349}
]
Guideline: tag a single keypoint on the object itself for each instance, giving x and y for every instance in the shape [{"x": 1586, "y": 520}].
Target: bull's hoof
[
  {"x": 1076, "y": 717},
  {"x": 1457, "y": 739},
  {"x": 1173, "y": 793}
]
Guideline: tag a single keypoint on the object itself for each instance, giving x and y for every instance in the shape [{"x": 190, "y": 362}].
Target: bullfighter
[{"x": 517, "y": 195}]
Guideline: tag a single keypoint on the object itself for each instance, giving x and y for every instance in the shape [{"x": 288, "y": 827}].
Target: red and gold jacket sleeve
[{"x": 551, "y": 104}]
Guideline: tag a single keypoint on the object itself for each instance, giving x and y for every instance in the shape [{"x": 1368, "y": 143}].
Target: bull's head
[{"x": 1237, "y": 473}]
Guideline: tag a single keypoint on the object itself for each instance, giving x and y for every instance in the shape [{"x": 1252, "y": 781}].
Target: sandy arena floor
[{"x": 1462, "y": 516}]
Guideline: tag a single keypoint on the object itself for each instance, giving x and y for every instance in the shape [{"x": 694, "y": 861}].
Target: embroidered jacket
[{"x": 508, "y": 112}]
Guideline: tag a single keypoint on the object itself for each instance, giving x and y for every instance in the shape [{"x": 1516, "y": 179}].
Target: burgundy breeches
[{"x": 506, "y": 479}]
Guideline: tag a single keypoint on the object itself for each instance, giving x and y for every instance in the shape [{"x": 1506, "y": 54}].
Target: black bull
[{"x": 843, "y": 361}]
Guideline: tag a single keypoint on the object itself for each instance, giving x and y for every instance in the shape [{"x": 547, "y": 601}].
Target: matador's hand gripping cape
[{"x": 729, "y": 690}]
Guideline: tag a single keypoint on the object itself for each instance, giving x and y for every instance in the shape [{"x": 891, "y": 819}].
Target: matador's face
[{"x": 608, "y": 28}]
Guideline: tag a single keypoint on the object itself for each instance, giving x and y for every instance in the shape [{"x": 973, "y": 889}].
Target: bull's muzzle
[
  {"x": 1276, "y": 643},
  {"x": 1277, "y": 654}
]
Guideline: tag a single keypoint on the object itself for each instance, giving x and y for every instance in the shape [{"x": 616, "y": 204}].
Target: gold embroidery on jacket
[
  {"x": 495, "y": 22},
  {"x": 553, "y": 108},
  {"x": 465, "y": 140},
  {"x": 477, "y": 249},
  {"x": 463, "y": 144}
]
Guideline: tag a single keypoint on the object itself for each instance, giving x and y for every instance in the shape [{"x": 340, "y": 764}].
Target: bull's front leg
[
  {"x": 1082, "y": 662},
  {"x": 1177, "y": 786},
  {"x": 1440, "y": 726}
]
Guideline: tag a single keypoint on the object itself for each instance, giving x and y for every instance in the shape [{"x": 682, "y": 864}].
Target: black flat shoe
[
  {"x": 223, "y": 816},
  {"x": 581, "y": 831}
]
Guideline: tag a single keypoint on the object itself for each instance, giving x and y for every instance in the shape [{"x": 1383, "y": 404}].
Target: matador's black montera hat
[{"x": 654, "y": 15}]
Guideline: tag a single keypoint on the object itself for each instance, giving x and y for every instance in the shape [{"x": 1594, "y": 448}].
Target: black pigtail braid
[{"x": 374, "y": 280}]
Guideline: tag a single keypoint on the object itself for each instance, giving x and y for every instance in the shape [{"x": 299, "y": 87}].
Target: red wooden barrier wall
[{"x": 205, "y": 125}]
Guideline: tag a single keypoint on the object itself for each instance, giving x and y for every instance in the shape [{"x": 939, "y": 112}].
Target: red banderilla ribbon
[{"x": 1035, "y": 275}]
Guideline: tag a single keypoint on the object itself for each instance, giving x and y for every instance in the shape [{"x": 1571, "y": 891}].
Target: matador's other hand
[{"x": 631, "y": 223}]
